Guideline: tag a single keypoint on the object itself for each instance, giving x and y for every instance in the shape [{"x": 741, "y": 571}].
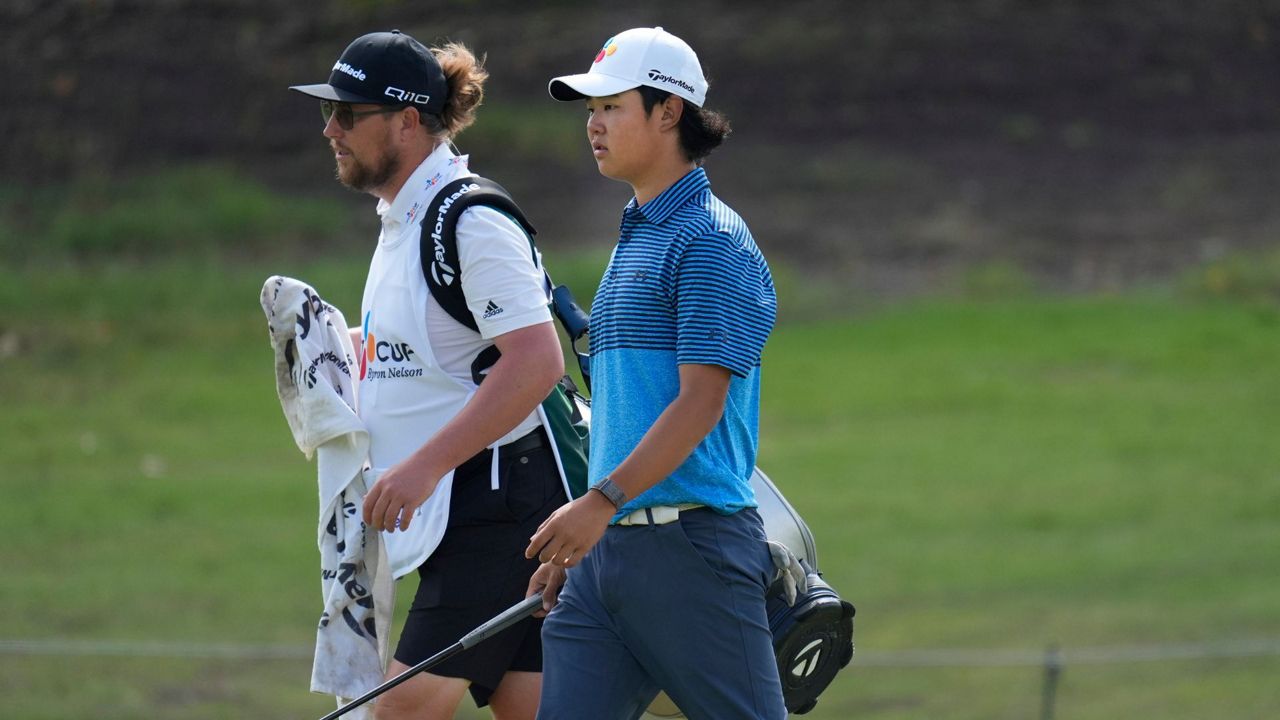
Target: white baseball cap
[{"x": 640, "y": 56}]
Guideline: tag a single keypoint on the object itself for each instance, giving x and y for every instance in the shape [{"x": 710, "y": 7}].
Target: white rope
[
  {"x": 1098, "y": 655},
  {"x": 958, "y": 657}
]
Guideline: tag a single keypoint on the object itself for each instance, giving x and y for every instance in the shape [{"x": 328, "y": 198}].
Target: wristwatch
[{"x": 611, "y": 492}]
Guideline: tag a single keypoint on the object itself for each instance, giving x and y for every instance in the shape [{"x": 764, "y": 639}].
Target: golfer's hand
[
  {"x": 396, "y": 495},
  {"x": 547, "y": 579},
  {"x": 573, "y": 529}
]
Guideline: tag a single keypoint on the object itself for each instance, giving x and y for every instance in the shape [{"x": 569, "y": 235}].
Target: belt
[
  {"x": 534, "y": 439},
  {"x": 657, "y": 515}
]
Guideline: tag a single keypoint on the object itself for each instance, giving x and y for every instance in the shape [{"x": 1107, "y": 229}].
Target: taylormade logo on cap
[
  {"x": 651, "y": 57},
  {"x": 345, "y": 68},
  {"x": 658, "y": 76}
]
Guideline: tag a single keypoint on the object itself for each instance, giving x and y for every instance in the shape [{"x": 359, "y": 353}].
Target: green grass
[
  {"x": 191, "y": 210},
  {"x": 1000, "y": 473}
]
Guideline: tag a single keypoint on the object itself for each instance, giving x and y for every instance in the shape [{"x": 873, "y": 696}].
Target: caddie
[{"x": 463, "y": 465}]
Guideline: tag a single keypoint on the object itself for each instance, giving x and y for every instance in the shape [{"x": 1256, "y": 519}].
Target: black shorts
[{"x": 479, "y": 569}]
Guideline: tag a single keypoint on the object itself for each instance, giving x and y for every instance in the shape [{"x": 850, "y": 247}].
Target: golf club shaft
[{"x": 497, "y": 624}]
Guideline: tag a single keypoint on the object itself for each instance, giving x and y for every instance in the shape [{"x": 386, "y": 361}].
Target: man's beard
[{"x": 365, "y": 178}]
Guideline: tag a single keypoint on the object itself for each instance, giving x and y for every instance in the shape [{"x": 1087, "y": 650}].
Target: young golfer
[
  {"x": 668, "y": 557},
  {"x": 391, "y": 109}
]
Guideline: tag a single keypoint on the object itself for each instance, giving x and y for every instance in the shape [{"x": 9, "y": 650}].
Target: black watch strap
[{"x": 611, "y": 492}]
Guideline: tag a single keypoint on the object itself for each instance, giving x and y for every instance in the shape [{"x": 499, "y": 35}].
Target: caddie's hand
[
  {"x": 572, "y": 530},
  {"x": 547, "y": 579},
  {"x": 393, "y": 499}
]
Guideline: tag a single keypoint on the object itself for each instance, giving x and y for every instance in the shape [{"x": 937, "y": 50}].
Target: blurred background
[{"x": 1023, "y": 386}]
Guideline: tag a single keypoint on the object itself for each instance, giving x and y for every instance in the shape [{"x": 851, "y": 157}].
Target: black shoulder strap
[
  {"x": 440, "y": 263},
  {"x": 442, "y": 270}
]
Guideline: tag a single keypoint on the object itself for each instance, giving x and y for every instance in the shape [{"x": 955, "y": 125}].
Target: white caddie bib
[{"x": 405, "y": 396}]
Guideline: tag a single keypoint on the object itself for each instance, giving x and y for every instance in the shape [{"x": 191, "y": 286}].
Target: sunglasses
[{"x": 347, "y": 117}]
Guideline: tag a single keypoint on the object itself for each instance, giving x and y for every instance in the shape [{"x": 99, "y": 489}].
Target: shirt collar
[
  {"x": 668, "y": 201},
  {"x": 438, "y": 167}
]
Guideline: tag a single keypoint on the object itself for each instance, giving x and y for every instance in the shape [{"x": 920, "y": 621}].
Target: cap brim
[
  {"x": 577, "y": 87},
  {"x": 325, "y": 91}
]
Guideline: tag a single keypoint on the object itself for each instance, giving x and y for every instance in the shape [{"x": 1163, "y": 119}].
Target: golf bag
[{"x": 813, "y": 638}]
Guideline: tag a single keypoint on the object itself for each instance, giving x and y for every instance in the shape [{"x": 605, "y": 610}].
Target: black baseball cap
[{"x": 385, "y": 68}]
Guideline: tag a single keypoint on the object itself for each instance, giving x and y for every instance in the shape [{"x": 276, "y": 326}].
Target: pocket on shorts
[{"x": 531, "y": 485}]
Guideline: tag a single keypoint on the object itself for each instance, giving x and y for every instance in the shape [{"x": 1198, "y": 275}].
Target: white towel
[{"x": 313, "y": 359}]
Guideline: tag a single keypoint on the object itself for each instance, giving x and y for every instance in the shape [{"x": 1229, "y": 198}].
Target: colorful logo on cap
[{"x": 610, "y": 47}]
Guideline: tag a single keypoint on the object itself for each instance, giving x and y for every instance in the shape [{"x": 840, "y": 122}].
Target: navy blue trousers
[{"x": 677, "y": 607}]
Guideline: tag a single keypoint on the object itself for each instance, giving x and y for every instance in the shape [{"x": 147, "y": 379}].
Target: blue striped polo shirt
[{"x": 686, "y": 285}]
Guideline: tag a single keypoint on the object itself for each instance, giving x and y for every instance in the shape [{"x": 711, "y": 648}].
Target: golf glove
[{"x": 794, "y": 578}]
